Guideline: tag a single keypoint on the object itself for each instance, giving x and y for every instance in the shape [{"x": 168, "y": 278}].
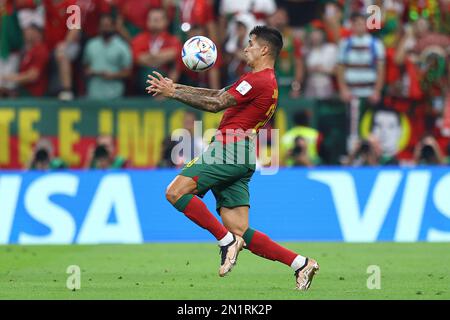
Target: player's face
[{"x": 253, "y": 51}]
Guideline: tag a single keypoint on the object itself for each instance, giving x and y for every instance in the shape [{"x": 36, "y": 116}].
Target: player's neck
[{"x": 261, "y": 66}]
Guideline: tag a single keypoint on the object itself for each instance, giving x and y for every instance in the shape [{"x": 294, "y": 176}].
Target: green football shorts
[{"x": 226, "y": 170}]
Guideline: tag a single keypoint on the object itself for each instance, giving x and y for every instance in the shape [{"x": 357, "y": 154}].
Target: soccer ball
[{"x": 199, "y": 53}]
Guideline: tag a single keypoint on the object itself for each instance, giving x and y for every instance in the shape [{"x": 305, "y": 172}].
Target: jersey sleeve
[{"x": 245, "y": 89}]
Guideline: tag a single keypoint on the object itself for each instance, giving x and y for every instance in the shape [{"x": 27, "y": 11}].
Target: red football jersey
[
  {"x": 36, "y": 57},
  {"x": 56, "y": 20},
  {"x": 257, "y": 96}
]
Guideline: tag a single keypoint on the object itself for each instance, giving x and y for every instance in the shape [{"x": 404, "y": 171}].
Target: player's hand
[{"x": 160, "y": 85}]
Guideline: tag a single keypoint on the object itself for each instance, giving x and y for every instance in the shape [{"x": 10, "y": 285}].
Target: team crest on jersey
[{"x": 243, "y": 87}]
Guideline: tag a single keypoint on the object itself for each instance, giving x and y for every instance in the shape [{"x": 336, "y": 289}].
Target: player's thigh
[
  {"x": 235, "y": 193},
  {"x": 180, "y": 186},
  {"x": 208, "y": 176},
  {"x": 235, "y": 219},
  {"x": 232, "y": 203}
]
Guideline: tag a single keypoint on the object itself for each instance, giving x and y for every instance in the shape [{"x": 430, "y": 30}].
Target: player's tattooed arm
[
  {"x": 216, "y": 102},
  {"x": 212, "y": 104},
  {"x": 200, "y": 91},
  {"x": 157, "y": 83}
]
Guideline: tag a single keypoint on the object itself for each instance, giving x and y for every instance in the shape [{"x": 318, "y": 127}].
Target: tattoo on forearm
[
  {"x": 206, "y": 103},
  {"x": 199, "y": 91}
]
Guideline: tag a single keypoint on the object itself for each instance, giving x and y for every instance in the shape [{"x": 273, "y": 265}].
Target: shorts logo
[
  {"x": 192, "y": 162},
  {"x": 243, "y": 87}
]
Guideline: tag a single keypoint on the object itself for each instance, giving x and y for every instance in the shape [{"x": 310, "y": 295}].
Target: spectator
[
  {"x": 198, "y": 13},
  {"x": 366, "y": 153},
  {"x": 391, "y": 24},
  {"x": 210, "y": 78},
  {"x": 289, "y": 66},
  {"x": 311, "y": 139},
  {"x": 333, "y": 21},
  {"x": 320, "y": 66},
  {"x": 299, "y": 153},
  {"x": 431, "y": 48},
  {"x": 30, "y": 13},
  {"x": 32, "y": 78},
  {"x": 260, "y": 9},
  {"x": 361, "y": 64},
  {"x": 235, "y": 61},
  {"x": 102, "y": 159},
  {"x": 106, "y": 142},
  {"x": 91, "y": 13},
  {"x": 403, "y": 74},
  {"x": 156, "y": 49},
  {"x": 132, "y": 17},
  {"x": 63, "y": 43},
  {"x": 428, "y": 152},
  {"x": 11, "y": 43},
  {"x": 107, "y": 60},
  {"x": 43, "y": 158}
]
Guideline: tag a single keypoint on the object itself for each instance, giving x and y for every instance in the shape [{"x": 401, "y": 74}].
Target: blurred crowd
[{"x": 393, "y": 61}]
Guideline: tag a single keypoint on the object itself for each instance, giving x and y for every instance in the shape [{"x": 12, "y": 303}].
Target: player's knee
[{"x": 172, "y": 195}]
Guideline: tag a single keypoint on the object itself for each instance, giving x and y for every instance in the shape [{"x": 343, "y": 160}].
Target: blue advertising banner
[{"x": 322, "y": 204}]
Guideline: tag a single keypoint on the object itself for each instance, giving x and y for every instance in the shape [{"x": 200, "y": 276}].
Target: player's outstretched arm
[
  {"x": 193, "y": 90},
  {"x": 211, "y": 104},
  {"x": 219, "y": 101},
  {"x": 201, "y": 91}
]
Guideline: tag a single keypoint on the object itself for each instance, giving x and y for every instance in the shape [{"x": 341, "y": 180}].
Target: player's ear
[{"x": 265, "y": 50}]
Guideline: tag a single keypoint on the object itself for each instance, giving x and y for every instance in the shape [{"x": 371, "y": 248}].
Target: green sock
[
  {"x": 182, "y": 203},
  {"x": 248, "y": 235}
]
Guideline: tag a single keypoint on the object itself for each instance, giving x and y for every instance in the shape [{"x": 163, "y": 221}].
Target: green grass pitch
[{"x": 190, "y": 271}]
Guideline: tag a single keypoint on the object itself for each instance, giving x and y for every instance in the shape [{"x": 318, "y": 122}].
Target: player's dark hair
[
  {"x": 272, "y": 36},
  {"x": 101, "y": 152}
]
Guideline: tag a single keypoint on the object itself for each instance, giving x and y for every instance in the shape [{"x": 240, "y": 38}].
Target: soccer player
[{"x": 250, "y": 103}]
